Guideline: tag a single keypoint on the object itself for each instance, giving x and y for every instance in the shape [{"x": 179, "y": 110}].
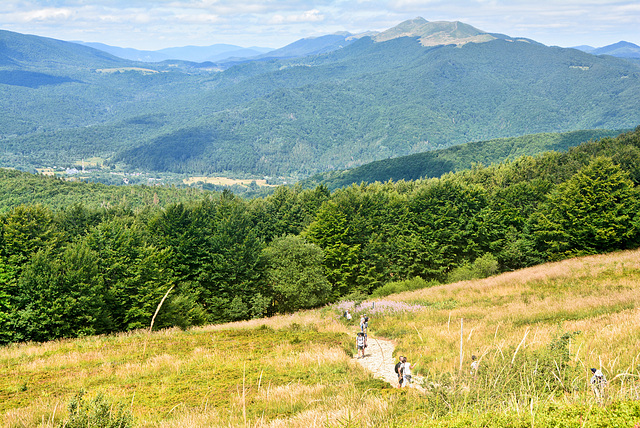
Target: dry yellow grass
[
  {"x": 596, "y": 295},
  {"x": 262, "y": 373},
  {"x": 225, "y": 181}
]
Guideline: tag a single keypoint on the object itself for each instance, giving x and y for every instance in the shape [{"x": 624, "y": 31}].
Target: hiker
[
  {"x": 364, "y": 323},
  {"x": 406, "y": 372},
  {"x": 474, "y": 365},
  {"x": 598, "y": 383},
  {"x": 360, "y": 344},
  {"x": 347, "y": 315},
  {"x": 398, "y": 370}
]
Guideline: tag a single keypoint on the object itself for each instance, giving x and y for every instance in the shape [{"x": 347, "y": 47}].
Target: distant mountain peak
[
  {"x": 621, "y": 49},
  {"x": 435, "y": 33}
]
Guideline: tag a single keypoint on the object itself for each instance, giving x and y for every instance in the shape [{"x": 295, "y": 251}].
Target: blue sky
[{"x": 157, "y": 24}]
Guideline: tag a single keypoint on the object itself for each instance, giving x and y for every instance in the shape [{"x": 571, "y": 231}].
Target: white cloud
[
  {"x": 308, "y": 16},
  {"x": 47, "y": 14},
  {"x": 200, "y": 18}
]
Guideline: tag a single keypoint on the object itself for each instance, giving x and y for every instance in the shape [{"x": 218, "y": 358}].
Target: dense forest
[
  {"x": 79, "y": 269},
  {"x": 435, "y": 163}
]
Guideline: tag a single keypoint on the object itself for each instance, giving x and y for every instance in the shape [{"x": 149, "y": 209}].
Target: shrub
[
  {"x": 482, "y": 267},
  {"x": 400, "y": 286},
  {"x": 96, "y": 413}
]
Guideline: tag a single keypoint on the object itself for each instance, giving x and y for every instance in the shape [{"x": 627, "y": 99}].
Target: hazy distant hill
[
  {"x": 584, "y": 48},
  {"x": 464, "y": 156},
  {"x": 217, "y": 52},
  {"x": 312, "y": 46},
  {"x": 367, "y": 101},
  {"x": 621, "y": 50},
  {"x": 33, "y": 51},
  {"x": 128, "y": 53}
]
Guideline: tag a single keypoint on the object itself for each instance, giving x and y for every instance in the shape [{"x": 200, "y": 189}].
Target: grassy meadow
[{"x": 536, "y": 332}]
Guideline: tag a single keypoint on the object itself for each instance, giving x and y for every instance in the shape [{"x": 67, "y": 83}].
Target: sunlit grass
[
  {"x": 179, "y": 373},
  {"x": 297, "y": 371}
]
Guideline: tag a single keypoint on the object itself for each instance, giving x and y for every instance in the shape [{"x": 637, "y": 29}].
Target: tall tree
[
  {"x": 294, "y": 273},
  {"x": 595, "y": 211},
  {"x": 60, "y": 296}
]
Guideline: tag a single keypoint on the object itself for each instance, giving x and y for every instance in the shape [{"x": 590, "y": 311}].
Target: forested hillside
[
  {"x": 77, "y": 270},
  {"x": 373, "y": 99},
  {"x": 464, "y": 156},
  {"x": 21, "y": 188}
]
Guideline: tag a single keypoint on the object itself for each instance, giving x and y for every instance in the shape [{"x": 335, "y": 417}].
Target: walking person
[
  {"x": 398, "y": 370},
  {"x": 360, "y": 344},
  {"x": 406, "y": 372},
  {"x": 598, "y": 383}
]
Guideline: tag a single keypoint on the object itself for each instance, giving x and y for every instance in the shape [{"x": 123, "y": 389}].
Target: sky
[{"x": 157, "y": 24}]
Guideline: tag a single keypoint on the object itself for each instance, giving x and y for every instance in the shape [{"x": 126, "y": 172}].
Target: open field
[
  {"x": 536, "y": 331},
  {"x": 123, "y": 69},
  {"x": 224, "y": 181}
]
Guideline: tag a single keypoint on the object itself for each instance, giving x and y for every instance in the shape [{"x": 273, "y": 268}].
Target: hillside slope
[
  {"x": 536, "y": 333},
  {"x": 464, "y": 156}
]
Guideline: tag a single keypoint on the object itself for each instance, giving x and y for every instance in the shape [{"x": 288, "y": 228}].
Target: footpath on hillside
[{"x": 378, "y": 359}]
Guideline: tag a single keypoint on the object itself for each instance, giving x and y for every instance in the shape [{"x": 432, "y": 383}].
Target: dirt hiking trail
[{"x": 379, "y": 360}]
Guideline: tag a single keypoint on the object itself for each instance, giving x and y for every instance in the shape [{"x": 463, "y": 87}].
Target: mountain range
[
  {"x": 319, "y": 104},
  {"x": 430, "y": 35},
  {"x": 213, "y": 53}
]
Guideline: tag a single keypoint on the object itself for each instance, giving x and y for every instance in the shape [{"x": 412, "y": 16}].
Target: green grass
[
  {"x": 188, "y": 369},
  {"x": 536, "y": 333}
]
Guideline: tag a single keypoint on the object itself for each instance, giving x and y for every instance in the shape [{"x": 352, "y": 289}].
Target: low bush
[
  {"x": 400, "y": 286},
  {"x": 96, "y": 413},
  {"x": 482, "y": 267}
]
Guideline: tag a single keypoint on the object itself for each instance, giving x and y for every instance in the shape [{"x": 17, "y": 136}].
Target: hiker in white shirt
[
  {"x": 360, "y": 344},
  {"x": 598, "y": 383},
  {"x": 406, "y": 372}
]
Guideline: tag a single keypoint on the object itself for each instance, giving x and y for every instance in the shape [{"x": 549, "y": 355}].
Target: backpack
[{"x": 398, "y": 368}]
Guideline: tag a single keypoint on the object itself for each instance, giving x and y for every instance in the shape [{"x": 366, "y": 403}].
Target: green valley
[{"x": 296, "y": 117}]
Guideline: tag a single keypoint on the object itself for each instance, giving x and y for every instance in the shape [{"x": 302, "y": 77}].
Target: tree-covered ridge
[
  {"x": 21, "y": 188},
  {"x": 436, "y": 163},
  {"x": 78, "y": 270},
  {"x": 297, "y": 117}
]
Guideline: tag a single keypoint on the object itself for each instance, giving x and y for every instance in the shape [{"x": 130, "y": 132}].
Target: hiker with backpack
[
  {"x": 598, "y": 383},
  {"x": 398, "y": 370},
  {"x": 364, "y": 322}
]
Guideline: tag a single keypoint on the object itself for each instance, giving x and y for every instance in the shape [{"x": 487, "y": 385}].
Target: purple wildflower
[{"x": 378, "y": 307}]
